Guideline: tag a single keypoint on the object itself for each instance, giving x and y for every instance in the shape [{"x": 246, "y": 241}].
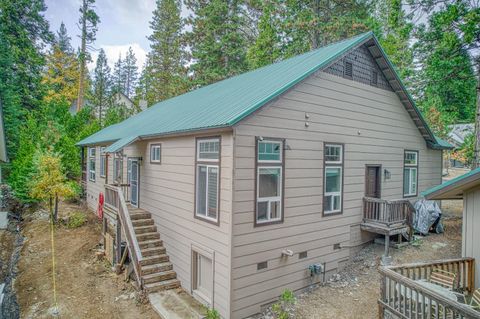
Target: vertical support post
[
  {"x": 383, "y": 283},
  {"x": 118, "y": 233},
  {"x": 386, "y": 259}
]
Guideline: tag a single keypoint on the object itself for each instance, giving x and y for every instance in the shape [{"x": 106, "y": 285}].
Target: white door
[
  {"x": 133, "y": 180},
  {"x": 203, "y": 288}
]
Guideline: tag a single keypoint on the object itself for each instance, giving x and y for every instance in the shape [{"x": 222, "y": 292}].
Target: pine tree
[
  {"x": 118, "y": 76},
  {"x": 88, "y": 26},
  {"x": 61, "y": 74},
  {"x": 165, "y": 71},
  {"x": 63, "y": 40},
  {"x": 217, "y": 40},
  {"x": 102, "y": 84},
  {"x": 130, "y": 72},
  {"x": 24, "y": 34}
]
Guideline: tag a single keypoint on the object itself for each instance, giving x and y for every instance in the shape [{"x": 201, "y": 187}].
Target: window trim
[
  {"x": 416, "y": 166},
  {"x": 152, "y": 146},
  {"x": 90, "y": 158},
  {"x": 270, "y": 141},
  {"x": 269, "y": 164},
  {"x": 207, "y": 139},
  {"x": 118, "y": 158},
  {"x": 208, "y": 162},
  {"x": 340, "y": 165},
  {"x": 103, "y": 162}
]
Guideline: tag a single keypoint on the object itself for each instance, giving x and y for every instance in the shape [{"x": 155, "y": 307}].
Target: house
[
  {"x": 467, "y": 188},
  {"x": 457, "y": 135},
  {"x": 256, "y": 183}
]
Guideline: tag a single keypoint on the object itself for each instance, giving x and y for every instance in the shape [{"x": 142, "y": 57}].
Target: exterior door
[
  {"x": 133, "y": 180},
  {"x": 372, "y": 181}
]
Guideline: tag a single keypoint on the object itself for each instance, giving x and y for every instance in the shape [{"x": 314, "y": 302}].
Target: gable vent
[
  {"x": 374, "y": 78},
  {"x": 348, "y": 70}
]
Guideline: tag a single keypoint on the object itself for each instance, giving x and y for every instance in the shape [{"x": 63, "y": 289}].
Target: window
[
  {"x": 117, "y": 170},
  {"x": 333, "y": 178},
  {"x": 348, "y": 71},
  {"x": 203, "y": 261},
  {"x": 410, "y": 173},
  {"x": 269, "y": 181},
  {"x": 91, "y": 164},
  {"x": 155, "y": 153},
  {"x": 207, "y": 179},
  {"x": 374, "y": 77},
  {"x": 103, "y": 162}
]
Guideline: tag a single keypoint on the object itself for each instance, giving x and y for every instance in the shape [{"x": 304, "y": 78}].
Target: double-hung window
[
  {"x": 269, "y": 181},
  {"x": 91, "y": 163},
  {"x": 103, "y": 162},
  {"x": 207, "y": 178},
  {"x": 333, "y": 178},
  {"x": 155, "y": 153},
  {"x": 410, "y": 173}
]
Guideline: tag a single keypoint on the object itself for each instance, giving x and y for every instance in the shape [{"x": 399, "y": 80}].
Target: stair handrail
[{"x": 129, "y": 231}]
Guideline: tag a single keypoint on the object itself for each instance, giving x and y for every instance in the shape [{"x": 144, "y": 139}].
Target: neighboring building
[
  {"x": 466, "y": 187},
  {"x": 118, "y": 99},
  {"x": 457, "y": 135},
  {"x": 252, "y": 180}
]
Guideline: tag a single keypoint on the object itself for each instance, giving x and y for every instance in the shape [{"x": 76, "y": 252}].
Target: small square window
[
  {"x": 269, "y": 151},
  {"x": 155, "y": 153},
  {"x": 411, "y": 158},
  {"x": 208, "y": 149},
  {"x": 91, "y": 152},
  {"x": 333, "y": 153},
  {"x": 262, "y": 265}
]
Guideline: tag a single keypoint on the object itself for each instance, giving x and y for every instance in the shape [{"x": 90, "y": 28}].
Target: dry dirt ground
[{"x": 86, "y": 287}]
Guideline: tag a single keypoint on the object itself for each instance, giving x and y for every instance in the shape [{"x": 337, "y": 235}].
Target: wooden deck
[{"x": 402, "y": 294}]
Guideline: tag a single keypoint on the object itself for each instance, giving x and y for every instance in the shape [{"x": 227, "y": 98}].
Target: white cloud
[{"x": 114, "y": 51}]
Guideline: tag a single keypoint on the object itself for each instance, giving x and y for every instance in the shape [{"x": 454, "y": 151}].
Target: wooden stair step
[
  {"x": 150, "y": 260},
  {"x": 148, "y": 236},
  {"x": 154, "y": 268},
  {"x": 142, "y": 222},
  {"x": 158, "y": 250},
  {"x": 145, "y": 229},
  {"x": 163, "y": 285},
  {"x": 140, "y": 215},
  {"x": 159, "y": 276},
  {"x": 150, "y": 243}
]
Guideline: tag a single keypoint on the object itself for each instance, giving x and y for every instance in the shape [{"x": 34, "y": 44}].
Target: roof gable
[
  {"x": 454, "y": 188},
  {"x": 227, "y": 102}
]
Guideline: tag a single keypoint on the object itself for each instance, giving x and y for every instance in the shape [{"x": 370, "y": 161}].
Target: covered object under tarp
[{"x": 427, "y": 215}]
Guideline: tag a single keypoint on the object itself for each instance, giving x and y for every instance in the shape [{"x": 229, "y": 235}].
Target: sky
[{"x": 123, "y": 23}]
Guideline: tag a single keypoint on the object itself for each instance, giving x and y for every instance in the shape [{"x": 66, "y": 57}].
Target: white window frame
[
  {"x": 206, "y": 140},
  {"x": 273, "y": 142},
  {"x": 103, "y": 162},
  {"x": 270, "y": 200},
  {"x": 335, "y": 165},
  {"x": 117, "y": 164},
  {"x": 413, "y": 182},
  {"x": 153, "y": 148},
  {"x": 208, "y": 163},
  {"x": 341, "y": 153},
  {"x": 339, "y": 193},
  {"x": 207, "y": 166},
  {"x": 91, "y": 157}
]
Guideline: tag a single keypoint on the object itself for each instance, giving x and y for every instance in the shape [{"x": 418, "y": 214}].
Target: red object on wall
[{"x": 101, "y": 200}]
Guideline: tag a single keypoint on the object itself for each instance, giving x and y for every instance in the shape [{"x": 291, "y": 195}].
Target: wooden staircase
[{"x": 156, "y": 269}]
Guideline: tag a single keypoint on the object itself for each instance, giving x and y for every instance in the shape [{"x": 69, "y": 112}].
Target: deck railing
[
  {"x": 115, "y": 200},
  {"x": 404, "y": 297},
  {"x": 387, "y": 212}
]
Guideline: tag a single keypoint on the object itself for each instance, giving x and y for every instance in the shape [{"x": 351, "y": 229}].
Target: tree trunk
[
  {"x": 50, "y": 207},
  {"x": 55, "y": 214},
  {"x": 83, "y": 58},
  {"x": 477, "y": 120}
]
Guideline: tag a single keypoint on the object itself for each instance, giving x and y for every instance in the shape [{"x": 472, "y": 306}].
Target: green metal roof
[
  {"x": 441, "y": 144},
  {"x": 225, "y": 103},
  {"x": 455, "y": 184}
]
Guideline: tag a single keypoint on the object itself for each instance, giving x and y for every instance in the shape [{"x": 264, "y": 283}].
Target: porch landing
[{"x": 176, "y": 304}]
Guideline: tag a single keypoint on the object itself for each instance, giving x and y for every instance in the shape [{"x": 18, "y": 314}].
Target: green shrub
[
  {"x": 280, "y": 309},
  {"x": 212, "y": 314},
  {"x": 76, "y": 219}
]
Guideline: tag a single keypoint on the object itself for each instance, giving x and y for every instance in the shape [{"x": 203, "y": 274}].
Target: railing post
[{"x": 118, "y": 234}]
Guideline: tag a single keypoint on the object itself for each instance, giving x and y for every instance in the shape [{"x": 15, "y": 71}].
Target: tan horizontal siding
[
  {"x": 167, "y": 191},
  {"x": 375, "y": 128}
]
